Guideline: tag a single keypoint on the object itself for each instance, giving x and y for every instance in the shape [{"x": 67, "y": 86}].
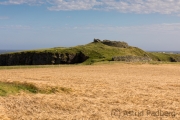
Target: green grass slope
[
  {"x": 8, "y": 88},
  {"x": 165, "y": 57},
  {"x": 15, "y": 87}
]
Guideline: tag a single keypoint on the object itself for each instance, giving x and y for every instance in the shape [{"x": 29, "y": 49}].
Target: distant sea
[
  {"x": 7, "y": 51},
  {"x": 173, "y": 52}
]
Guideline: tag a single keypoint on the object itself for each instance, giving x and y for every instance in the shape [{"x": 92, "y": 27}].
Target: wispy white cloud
[
  {"x": 18, "y": 2},
  {"x": 169, "y": 28},
  {"x": 172, "y": 28},
  {"x": 58, "y": 5},
  {"x": 124, "y": 6}
]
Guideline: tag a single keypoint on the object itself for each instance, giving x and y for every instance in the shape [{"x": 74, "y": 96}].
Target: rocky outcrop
[
  {"x": 97, "y": 40},
  {"x": 130, "y": 58},
  {"x": 41, "y": 58},
  {"x": 113, "y": 43}
]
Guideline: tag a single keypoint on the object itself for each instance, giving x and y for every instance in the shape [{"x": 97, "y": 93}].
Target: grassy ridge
[
  {"x": 98, "y": 52},
  {"x": 165, "y": 57}
]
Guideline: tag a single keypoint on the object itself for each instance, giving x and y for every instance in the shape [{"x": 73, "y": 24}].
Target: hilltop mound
[{"x": 113, "y": 43}]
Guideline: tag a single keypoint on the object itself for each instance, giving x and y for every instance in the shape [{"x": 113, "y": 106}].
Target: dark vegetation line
[{"x": 7, "y": 88}]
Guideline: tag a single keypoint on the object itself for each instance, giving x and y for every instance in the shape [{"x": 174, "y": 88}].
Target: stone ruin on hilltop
[{"x": 113, "y": 43}]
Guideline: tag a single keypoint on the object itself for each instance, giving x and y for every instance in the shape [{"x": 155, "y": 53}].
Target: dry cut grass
[{"x": 97, "y": 92}]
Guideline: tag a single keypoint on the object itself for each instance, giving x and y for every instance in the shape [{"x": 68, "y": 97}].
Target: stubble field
[{"x": 116, "y": 91}]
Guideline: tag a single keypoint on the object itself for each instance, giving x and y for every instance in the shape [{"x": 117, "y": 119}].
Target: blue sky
[{"x": 35, "y": 24}]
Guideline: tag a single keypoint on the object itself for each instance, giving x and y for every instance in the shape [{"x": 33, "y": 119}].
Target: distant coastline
[
  {"x": 8, "y": 51},
  {"x": 169, "y": 52}
]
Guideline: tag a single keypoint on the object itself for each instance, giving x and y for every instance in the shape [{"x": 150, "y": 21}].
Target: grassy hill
[{"x": 97, "y": 51}]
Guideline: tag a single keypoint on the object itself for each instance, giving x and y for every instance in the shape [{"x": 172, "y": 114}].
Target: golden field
[{"x": 117, "y": 91}]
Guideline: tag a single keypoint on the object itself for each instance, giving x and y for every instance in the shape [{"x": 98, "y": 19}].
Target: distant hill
[{"x": 87, "y": 54}]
